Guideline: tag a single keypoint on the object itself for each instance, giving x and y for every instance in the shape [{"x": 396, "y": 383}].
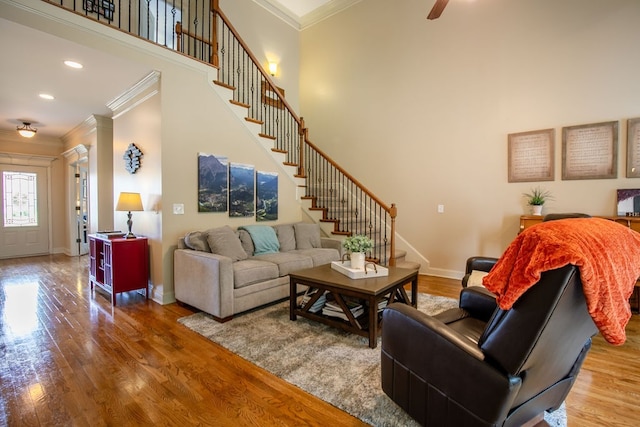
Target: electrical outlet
[
  {"x": 178, "y": 209},
  {"x": 440, "y": 208}
]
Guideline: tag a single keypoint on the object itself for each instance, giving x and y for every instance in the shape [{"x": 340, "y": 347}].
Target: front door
[{"x": 24, "y": 223}]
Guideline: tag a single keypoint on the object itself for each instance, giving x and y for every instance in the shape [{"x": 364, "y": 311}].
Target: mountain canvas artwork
[
  {"x": 241, "y": 190},
  {"x": 213, "y": 179},
  {"x": 266, "y": 196}
]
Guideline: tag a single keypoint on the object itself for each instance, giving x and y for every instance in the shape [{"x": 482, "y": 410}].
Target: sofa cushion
[
  {"x": 286, "y": 237},
  {"x": 247, "y": 243},
  {"x": 224, "y": 241},
  {"x": 264, "y": 239},
  {"x": 287, "y": 262},
  {"x": 197, "y": 240},
  {"x": 307, "y": 235},
  {"x": 320, "y": 256},
  {"x": 250, "y": 271}
]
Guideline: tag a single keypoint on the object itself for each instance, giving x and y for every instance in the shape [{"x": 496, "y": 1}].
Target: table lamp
[{"x": 129, "y": 202}]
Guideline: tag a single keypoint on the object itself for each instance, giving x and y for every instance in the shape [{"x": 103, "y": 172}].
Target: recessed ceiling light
[
  {"x": 73, "y": 64},
  {"x": 46, "y": 96}
]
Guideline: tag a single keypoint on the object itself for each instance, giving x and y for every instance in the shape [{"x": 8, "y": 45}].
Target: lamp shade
[
  {"x": 129, "y": 202},
  {"x": 26, "y": 130}
]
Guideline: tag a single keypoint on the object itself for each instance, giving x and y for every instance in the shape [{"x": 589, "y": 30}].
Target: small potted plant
[
  {"x": 356, "y": 246},
  {"x": 536, "y": 199}
]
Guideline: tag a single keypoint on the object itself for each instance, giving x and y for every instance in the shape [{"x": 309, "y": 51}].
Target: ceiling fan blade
[{"x": 437, "y": 9}]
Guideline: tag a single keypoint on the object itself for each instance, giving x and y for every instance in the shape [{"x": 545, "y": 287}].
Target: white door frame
[
  {"x": 33, "y": 160},
  {"x": 76, "y": 157}
]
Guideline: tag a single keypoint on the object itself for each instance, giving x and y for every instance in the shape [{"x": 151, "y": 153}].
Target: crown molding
[
  {"x": 301, "y": 22},
  {"x": 325, "y": 11},
  {"x": 136, "y": 95}
]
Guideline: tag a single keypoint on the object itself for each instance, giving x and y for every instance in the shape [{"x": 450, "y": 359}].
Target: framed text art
[
  {"x": 633, "y": 148},
  {"x": 531, "y": 156},
  {"x": 590, "y": 151}
]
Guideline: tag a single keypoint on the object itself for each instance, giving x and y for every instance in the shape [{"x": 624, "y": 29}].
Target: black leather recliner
[{"x": 478, "y": 365}]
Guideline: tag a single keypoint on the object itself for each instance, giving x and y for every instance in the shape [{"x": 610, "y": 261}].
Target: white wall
[{"x": 430, "y": 104}]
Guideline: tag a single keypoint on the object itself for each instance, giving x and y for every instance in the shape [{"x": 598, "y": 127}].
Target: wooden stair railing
[
  {"x": 208, "y": 36},
  {"x": 342, "y": 199}
]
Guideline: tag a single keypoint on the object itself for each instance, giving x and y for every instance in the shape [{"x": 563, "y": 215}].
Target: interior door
[{"x": 24, "y": 221}]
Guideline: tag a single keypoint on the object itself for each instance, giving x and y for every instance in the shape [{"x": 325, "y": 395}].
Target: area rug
[{"x": 326, "y": 362}]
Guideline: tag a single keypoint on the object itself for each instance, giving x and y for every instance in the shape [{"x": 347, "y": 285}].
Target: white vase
[
  {"x": 536, "y": 209},
  {"x": 357, "y": 260}
]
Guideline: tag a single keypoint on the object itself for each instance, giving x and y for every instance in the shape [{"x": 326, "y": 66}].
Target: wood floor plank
[{"x": 69, "y": 358}]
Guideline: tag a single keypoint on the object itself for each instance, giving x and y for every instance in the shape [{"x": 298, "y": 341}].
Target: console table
[
  {"x": 633, "y": 222},
  {"x": 119, "y": 265}
]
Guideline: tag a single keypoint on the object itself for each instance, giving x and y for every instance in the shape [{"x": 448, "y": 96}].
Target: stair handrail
[
  {"x": 391, "y": 210},
  {"x": 215, "y": 8},
  {"x": 351, "y": 177}
]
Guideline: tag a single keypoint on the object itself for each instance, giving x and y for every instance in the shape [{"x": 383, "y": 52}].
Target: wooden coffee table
[{"x": 372, "y": 291}]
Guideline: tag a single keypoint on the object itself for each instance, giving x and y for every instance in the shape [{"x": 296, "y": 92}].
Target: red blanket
[{"x": 606, "y": 253}]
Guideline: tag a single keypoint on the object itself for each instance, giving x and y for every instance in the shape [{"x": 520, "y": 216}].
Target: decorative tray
[{"x": 371, "y": 270}]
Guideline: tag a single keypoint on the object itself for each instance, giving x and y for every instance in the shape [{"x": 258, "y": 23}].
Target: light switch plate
[{"x": 178, "y": 209}]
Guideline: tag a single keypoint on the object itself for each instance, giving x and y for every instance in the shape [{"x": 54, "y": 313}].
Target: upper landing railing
[{"x": 199, "y": 29}]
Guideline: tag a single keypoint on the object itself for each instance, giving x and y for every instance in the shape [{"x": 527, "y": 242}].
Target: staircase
[{"x": 335, "y": 199}]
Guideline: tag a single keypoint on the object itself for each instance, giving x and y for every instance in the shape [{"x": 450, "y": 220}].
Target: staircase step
[
  {"x": 252, "y": 120},
  {"x": 409, "y": 265},
  {"x": 239, "y": 104},
  {"x": 219, "y": 83},
  {"x": 264, "y": 135}
]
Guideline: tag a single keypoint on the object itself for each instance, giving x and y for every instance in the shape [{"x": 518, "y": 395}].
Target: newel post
[
  {"x": 179, "y": 36},
  {"x": 215, "y": 7},
  {"x": 393, "y": 212},
  {"x": 302, "y": 134}
]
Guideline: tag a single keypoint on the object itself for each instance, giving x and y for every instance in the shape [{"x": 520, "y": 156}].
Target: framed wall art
[
  {"x": 531, "y": 156},
  {"x": 266, "y": 196},
  {"x": 633, "y": 148},
  {"x": 270, "y": 97},
  {"x": 628, "y": 202},
  {"x": 213, "y": 179},
  {"x": 241, "y": 190},
  {"x": 590, "y": 151}
]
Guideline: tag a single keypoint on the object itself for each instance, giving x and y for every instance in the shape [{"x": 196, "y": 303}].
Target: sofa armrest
[
  {"x": 204, "y": 280},
  {"x": 336, "y": 244}
]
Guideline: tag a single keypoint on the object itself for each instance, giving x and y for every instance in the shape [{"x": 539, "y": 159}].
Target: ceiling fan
[{"x": 437, "y": 9}]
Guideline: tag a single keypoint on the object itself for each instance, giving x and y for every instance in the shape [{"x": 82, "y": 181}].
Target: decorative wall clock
[{"x": 132, "y": 158}]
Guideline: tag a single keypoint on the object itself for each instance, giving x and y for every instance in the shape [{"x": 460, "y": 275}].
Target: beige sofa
[{"x": 223, "y": 272}]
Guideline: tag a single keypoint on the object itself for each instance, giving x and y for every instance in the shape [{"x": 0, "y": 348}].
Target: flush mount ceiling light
[
  {"x": 46, "y": 96},
  {"x": 73, "y": 64},
  {"x": 26, "y": 130}
]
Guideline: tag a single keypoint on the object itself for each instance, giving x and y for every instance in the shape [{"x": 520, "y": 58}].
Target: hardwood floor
[{"x": 69, "y": 358}]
